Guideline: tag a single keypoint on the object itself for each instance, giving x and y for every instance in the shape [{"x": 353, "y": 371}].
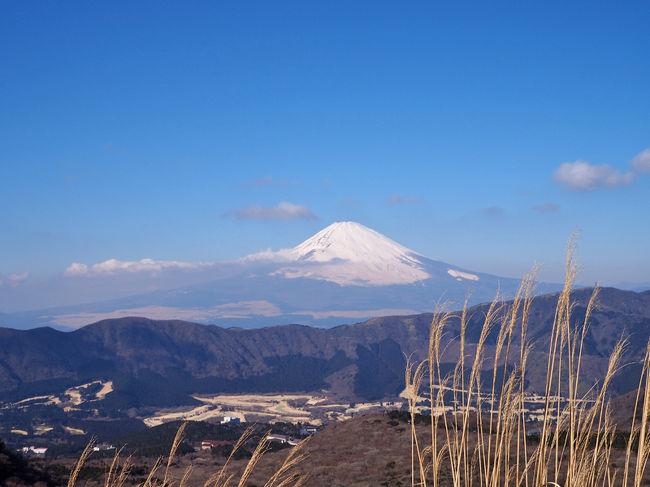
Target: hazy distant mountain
[
  {"x": 344, "y": 273},
  {"x": 634, "y": 286},
  {"x": 160, "y": 363}
]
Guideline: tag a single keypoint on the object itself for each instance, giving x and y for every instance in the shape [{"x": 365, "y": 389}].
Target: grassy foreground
[
  {"x": 573, "y": 444},
  {"x": 479, "y": 434}
]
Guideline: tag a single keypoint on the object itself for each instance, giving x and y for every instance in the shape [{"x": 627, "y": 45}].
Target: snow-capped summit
[
  {"x": 353, "y": 242},
  {"x": 349, "y": 253}
]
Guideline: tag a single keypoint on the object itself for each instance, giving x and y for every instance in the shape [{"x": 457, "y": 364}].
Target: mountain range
[
  {"x": 162, "y": 363},
  {"x": 345, "y": 273}
]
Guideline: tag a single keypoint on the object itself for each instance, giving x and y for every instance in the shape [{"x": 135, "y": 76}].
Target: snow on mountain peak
[
  {"x": 349, "y": 253},
  {"x": 353, "y": 242}
]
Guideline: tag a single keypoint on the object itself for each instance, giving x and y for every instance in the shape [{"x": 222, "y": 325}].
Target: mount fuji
[
  {"x": 345, "y": 273},
  {"x": 349, "y": 254}
]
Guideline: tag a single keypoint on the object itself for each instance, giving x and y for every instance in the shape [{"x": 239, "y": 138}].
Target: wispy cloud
[
  {"x": 271, "y": 181},
  {"x": 114, "y": 266},
  {"x": 284, "y": 210},
  {"x": 493, "y": 211},
  {"x": 641, "y": 162},
  {"x": 13, "y": 280},
  {"x": 18, "y": 277},
  {"x": 546, "y": 207},
  {"x": 397, "y": 199}
]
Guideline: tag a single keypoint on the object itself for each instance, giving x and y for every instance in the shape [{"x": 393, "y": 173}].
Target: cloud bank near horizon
[{"x": 115, "y": 266}]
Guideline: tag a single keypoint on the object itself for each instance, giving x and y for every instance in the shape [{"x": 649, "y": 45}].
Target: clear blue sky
[{"x": 172, "y": 130}]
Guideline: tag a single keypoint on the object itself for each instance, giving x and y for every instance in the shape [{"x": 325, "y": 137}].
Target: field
[{"x": 270, "y": 408}]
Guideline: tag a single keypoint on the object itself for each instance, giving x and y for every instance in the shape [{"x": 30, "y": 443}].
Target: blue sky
[{"x": 173, "y": 130}]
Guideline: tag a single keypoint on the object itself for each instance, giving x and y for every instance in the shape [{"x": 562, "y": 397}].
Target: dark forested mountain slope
[{"x": 162, "y": 362}]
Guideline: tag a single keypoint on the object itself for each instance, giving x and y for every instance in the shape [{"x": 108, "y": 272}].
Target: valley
[{"x": 125, "y": 381}]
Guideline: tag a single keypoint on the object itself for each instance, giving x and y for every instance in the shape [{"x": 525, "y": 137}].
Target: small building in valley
[
  {"x": 282, "y": 439},
  {"x": 33, "y": 450},
  {"x": 230, "y": 419}
]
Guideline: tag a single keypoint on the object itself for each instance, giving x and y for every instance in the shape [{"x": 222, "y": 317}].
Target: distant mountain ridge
[
  {"x": 181, "y": 358},
  {"x": 345, "y": 273}
]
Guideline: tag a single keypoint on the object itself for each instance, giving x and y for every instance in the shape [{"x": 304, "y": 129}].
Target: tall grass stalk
[
  {"x": 118, "y": 475},
  {"x": 479, "y": 434}
]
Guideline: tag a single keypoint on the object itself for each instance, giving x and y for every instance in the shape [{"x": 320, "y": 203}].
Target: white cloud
[
  {"x": 282, "y": 211},
  {"x": 113, "y": 266},
  {"x": 268, "y": 255},
  {"x": 582, "y": 176},
  {"x": 18, "y": 277},
  {"x": 641, "y": 162},
  {"x": 76, "y": 269}
]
